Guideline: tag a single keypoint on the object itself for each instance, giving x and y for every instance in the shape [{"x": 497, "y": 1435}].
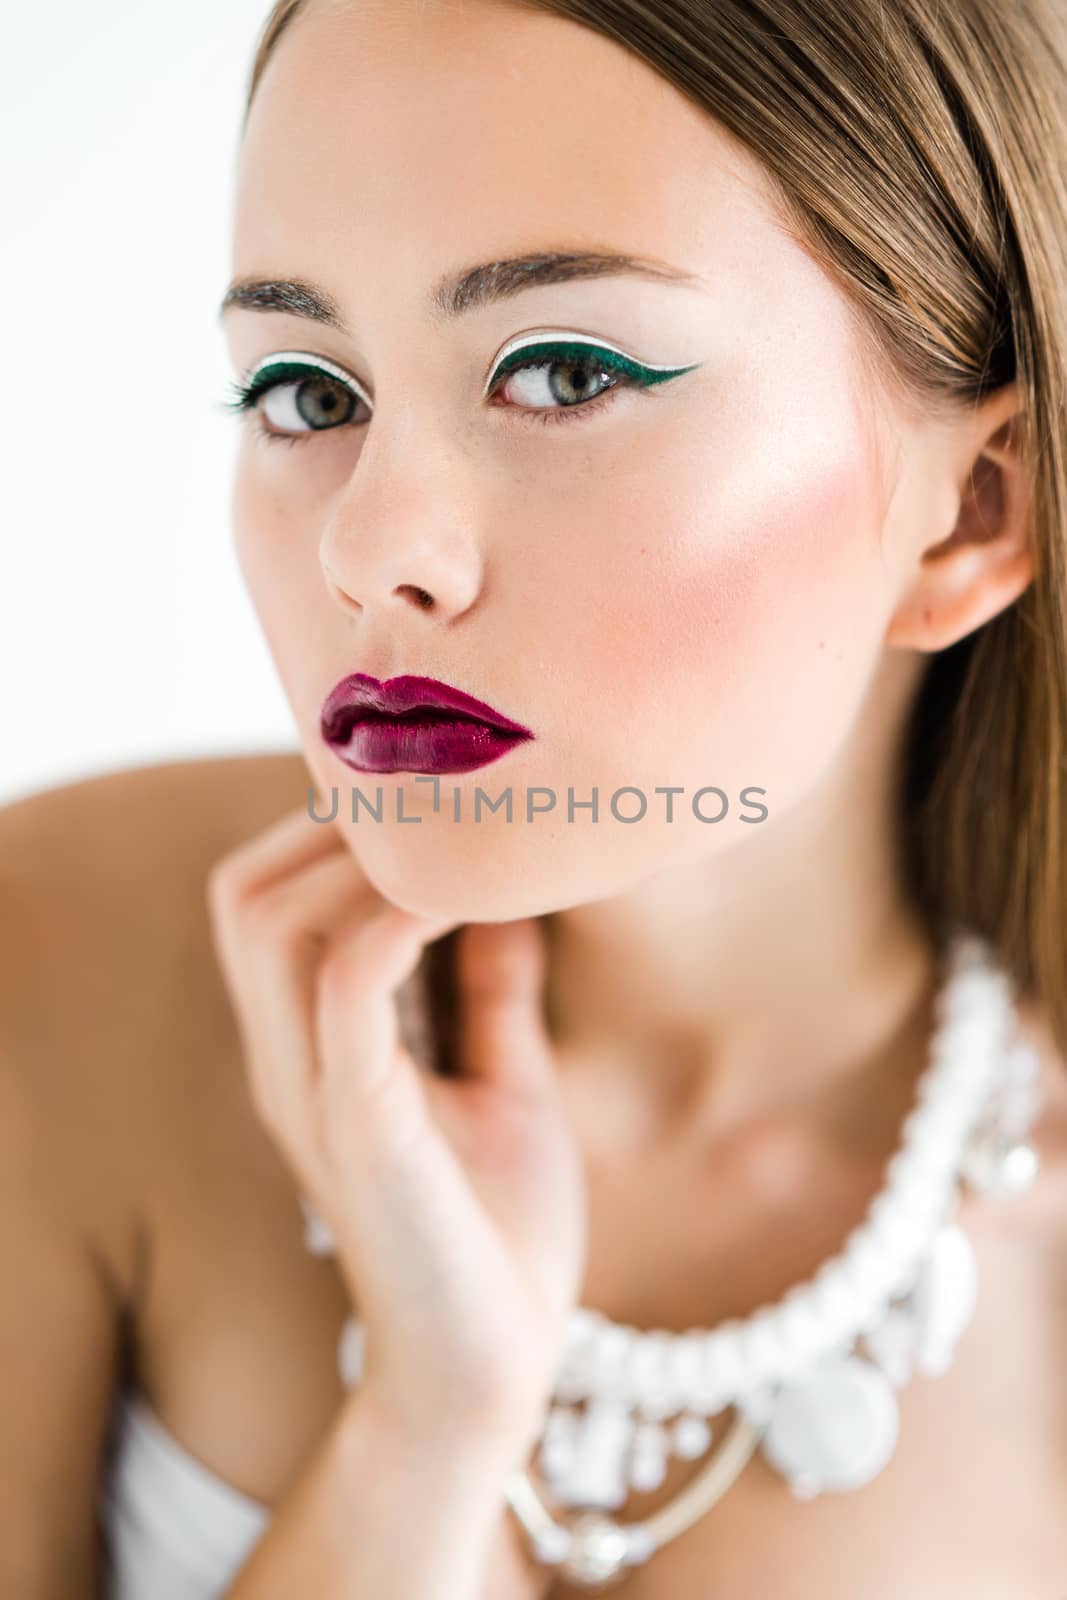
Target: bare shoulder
[
  {"x": 170, "y": 814},
  {"x": 108, "y": 978},
  {"x": 102, "y": 881}
]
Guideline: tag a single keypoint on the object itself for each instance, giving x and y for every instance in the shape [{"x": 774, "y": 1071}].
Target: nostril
[{"x": 421, "y": 597}]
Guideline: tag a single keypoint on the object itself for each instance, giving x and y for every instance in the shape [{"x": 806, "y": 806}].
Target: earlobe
[
  {"x": 987, "y": 560},
  {"x": 958, "y": 591}
]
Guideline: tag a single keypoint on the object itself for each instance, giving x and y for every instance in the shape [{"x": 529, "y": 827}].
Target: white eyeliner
[
  {"x": 303, "y": 358},
  {"x": 555, "y": 336}
]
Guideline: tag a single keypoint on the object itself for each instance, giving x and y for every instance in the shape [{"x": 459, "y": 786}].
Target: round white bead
[
  {"x": 995, "y": 1168},
  {"x": 583, "y": 1325},
  {"x": 948, "y": 1114},
  {"x": 598, "y": 1549},
  {"x": 685, "y": 1364},
  {"x": 572, "y": 1383},
  {"x": 835, "y": 1300},
  {"x": 1019, "y": 1168},
  {"x": 552, "y": 1544},
  {"x": 690, "y": 1437},
  {"x": 761, "y": 1347},
  {"x": 876, "y": 1311},
  {"x": 639, "y": 1545},
  {"x": 801, "y": 1328},
  {"x": 723, "y": 1362},
  {"x": 897, "y": 1237},
  {"x": 864, "y": 1264},
  {"x": 917, "y": 1184},
  {"x": 611, "y": 1349},
  {"x": 646, "y": 1374}
]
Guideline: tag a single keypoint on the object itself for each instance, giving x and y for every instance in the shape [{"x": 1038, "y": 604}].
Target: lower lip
[{"x": 436, "y": 745}]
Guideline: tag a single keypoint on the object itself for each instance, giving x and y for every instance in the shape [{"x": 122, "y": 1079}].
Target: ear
[{"x": 987, "y": 560}]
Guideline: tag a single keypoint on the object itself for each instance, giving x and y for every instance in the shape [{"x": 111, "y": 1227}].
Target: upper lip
[{"x": 358, "y": 694}]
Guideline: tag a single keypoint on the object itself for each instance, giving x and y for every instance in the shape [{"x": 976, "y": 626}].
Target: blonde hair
[{"x": 920, "y": 150}]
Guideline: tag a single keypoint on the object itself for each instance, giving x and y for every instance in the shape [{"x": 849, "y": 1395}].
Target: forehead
[{"x": 405, "y": 136}]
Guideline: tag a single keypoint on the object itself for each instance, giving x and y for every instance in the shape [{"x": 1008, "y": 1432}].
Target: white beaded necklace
[{"x": 811, "y": 1377}]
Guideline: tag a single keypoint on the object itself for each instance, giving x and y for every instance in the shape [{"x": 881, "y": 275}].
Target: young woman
[{"x": 623, "y": 1048}]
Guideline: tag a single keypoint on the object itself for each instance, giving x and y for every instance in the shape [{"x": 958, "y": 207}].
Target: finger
[
  {"x": 294, "y": 840},
  {"x": 274, "y": 940},
  {"x": 500, "y": 971},
  {"x": 407, "y": 1206},
  {"x": 356, "y": 1016},
  {"x": 272, "y": 859}
]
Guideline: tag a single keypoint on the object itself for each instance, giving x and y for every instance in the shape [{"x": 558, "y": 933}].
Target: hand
[{"x": 457, "y": 1206}]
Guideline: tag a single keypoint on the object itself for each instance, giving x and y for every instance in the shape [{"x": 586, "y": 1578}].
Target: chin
[{"x": 461, "y": 885}]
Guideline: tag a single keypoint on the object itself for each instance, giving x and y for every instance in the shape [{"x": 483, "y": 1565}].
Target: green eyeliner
[
  {"x": 561, "y": 349},
  {"x": 292, "y": 366}
]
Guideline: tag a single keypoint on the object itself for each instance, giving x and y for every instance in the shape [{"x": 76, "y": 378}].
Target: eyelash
[{"x": 627, "y": 374}]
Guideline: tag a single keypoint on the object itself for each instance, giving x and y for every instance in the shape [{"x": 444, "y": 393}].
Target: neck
[{"x": 781, "y": 976}]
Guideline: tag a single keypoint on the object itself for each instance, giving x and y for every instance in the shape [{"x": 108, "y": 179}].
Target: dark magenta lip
[{"x": 457, "y": 734}]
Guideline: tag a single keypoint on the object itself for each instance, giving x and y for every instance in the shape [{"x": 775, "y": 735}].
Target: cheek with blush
[{"x": 736, "y": 652}]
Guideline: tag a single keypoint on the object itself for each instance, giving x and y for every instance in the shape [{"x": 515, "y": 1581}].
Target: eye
[
  {"x": 304, "y": 397},
  {"x": 555, "y": 379}
]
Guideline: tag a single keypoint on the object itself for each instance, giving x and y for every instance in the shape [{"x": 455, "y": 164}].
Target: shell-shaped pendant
[
  {"x": 559, "y": 1444},
  {"x": 648, "y": 1456},
  {"x": 891, "y": 1343},
  {"x": 833, "y": 1429},
  {"x": 597, "y": 1477},
  {"x": 944, "y": 1298}
]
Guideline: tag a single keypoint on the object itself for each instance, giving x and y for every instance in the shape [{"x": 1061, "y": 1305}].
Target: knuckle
[
  {"x": 344, "y": 967},
  {"x": 374, "y": 948},
  {"x": 272, "y": 913},
  {"x": 226, "y": 886},
  {"x": 345, "y": 975}
]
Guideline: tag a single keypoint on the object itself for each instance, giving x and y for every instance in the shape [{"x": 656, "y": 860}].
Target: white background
[{"x": 126, "y": 635}]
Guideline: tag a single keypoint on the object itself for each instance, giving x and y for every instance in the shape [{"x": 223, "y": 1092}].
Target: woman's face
[{"x": 685, "y": 584}]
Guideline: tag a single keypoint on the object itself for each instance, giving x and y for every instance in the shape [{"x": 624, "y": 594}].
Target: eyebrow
[{"x": 459, "y": 292}]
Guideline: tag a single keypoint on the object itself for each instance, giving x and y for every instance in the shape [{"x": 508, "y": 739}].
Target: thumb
[{"x": 500, "y": 974}]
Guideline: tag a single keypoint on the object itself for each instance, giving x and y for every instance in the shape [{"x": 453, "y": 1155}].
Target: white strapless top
[{"x": 172, "y": 1529}]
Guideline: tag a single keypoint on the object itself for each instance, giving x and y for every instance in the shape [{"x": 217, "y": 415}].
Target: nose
[{"x": 401, "y": 539}]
